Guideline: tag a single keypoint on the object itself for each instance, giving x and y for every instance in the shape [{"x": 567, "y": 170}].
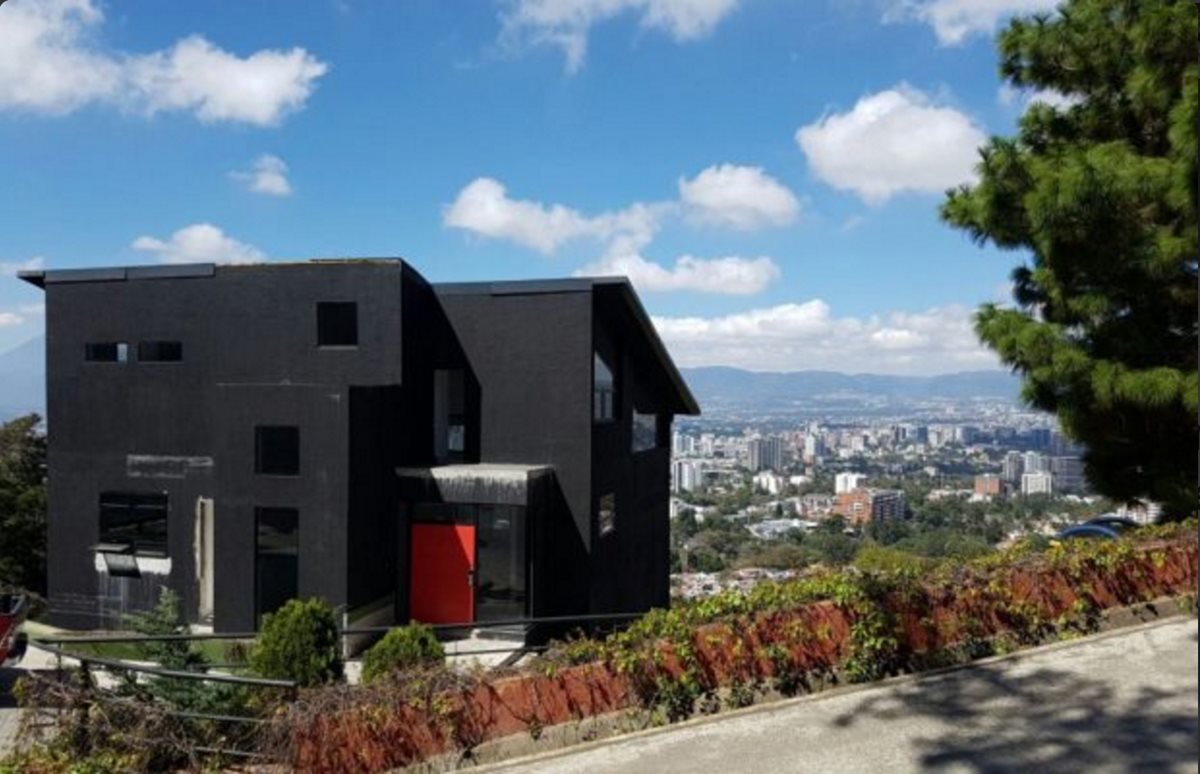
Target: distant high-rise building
[
  {"x": 1035, "y": 463},
  {"x": 814, "y": 447},
  {"x": 848, "y": 482},
  {"x": 1037, "y": 483},
  {"x": 1014, "y": 466},
  {"x": 766, "y": 453},
  {"x": 683, "y": 444},
  {"x": 685, "y": 476},
  {"x": 989, "y": 485},
  {"x": 1068, "y": 474},
  {"x": 865, "y": 505},
  {"x": 1040, "y": 437}
]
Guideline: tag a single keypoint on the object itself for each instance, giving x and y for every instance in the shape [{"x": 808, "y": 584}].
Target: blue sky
[{"x": 767, "y": 172}]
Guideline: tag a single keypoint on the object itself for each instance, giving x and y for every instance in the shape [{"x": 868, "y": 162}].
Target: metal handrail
[{"x": 126, "y": 666}]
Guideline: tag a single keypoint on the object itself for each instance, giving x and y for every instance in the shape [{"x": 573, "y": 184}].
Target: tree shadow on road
[{"x": 994, "y": 718}]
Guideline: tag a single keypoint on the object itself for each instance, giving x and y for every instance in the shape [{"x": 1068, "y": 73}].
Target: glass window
[
  {"x": 604, "y": 395},
  {"x": 276, "y": 558},
  {"x": 106, "y": 352},
  {"x": 449, "y": 416},
  {"x": 160, "y": 351},
  {"x": 645, "y": 431},
  {"x": 134, "y": 523},
  {"x": 500, "y": 558},
  {"x": 607, "y": 513},
  {"x": 277, "y": 450},
  {"x": 337, "y": 324}
]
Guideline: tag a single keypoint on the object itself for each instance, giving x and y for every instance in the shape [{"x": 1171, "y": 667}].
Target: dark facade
[{"x": 343, "y": 429}]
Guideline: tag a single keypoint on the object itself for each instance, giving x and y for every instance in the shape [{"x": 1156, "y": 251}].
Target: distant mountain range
[
  {"x": 23, "y": 379},
  {"x": 723, "y": 385},
  {"x": 22, "y": 384}
]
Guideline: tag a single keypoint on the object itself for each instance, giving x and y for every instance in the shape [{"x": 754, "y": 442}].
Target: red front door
[{"x": 441, "y": 587}]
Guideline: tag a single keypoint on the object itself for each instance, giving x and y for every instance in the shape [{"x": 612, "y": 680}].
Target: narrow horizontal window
[
  {"x": 160, "y": 351},
  {"x": 106, "y": 352},
  {"x": 337, "y": 324}
]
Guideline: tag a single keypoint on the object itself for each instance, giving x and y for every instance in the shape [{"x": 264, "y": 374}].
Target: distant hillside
[
  {"x": 733, "y": 385},
  {"x": 22, "y": 379},
  {"x": 22, "y": 384}
]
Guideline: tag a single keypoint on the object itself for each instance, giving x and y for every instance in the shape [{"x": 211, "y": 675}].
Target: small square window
[
  {"x": 106, "y": 352},
  {"x": 337, "y": 324},
  {"x": 606, "y": 513},
  {"x": 160, "y": 351},
  {"x": 277, "y": 451}
]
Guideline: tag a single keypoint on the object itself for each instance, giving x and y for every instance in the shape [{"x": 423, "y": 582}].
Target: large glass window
[
  {"x": 276, "y": 558},
  {"x": 133, "y": 523},
  {"x": 337, "y": 324},
  {"x": 604, "y": 391},
  {"x": 500, "y": 557},
  {"x": 277, "y": 450}
]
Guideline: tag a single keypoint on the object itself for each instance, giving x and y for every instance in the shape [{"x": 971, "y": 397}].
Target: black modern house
[{"x": 344, "y": 429}]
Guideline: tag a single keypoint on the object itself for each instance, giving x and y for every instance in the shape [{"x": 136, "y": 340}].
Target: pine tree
[{"x": 1098, "y": 188}]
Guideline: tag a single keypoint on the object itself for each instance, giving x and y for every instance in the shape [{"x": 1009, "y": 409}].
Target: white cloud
[
  {"x": 485, "y": 208},
  {"x": 199, "y": 243},
  {"x": 49, "y": 63},
  {"x": 739, "y": 197},
  {"x": 809, "y": 336},
  {"x": 953, "y": 21},
  {"x": 1011, "y": 96},
  {"x": 731, "y": 275},
  {"x": 10, "y": 319},
  {"x": 565, "y": 24},
  {"x": 267, "y": 175},
  {"x": 10, "y": 268},
  {"x": 892, "y": 142},
  {"x": 743, "y": 198}
]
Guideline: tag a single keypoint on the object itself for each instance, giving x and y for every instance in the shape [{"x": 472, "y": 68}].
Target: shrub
[
  {"x": 402, "y": 648},
  {"x": 299, "y": 642}
]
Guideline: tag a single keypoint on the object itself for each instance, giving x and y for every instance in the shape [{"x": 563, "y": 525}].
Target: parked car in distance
[{"x": 1106, "y": 527}]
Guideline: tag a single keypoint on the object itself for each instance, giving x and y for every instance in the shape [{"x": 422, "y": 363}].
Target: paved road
[{"x": 1123, "y": 701}]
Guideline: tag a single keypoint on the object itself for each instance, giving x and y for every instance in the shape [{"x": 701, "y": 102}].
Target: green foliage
[
  {"x": 872, "y": 557},
  {"x": 660, "y": 652},
  {"x": 1102, "y": 194},
  {"x": 400, "y": 649},
  {"x": 183, "y": 655},
  {"x": 299, "y": 642},
  {"x": 23, "y": 504}
]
